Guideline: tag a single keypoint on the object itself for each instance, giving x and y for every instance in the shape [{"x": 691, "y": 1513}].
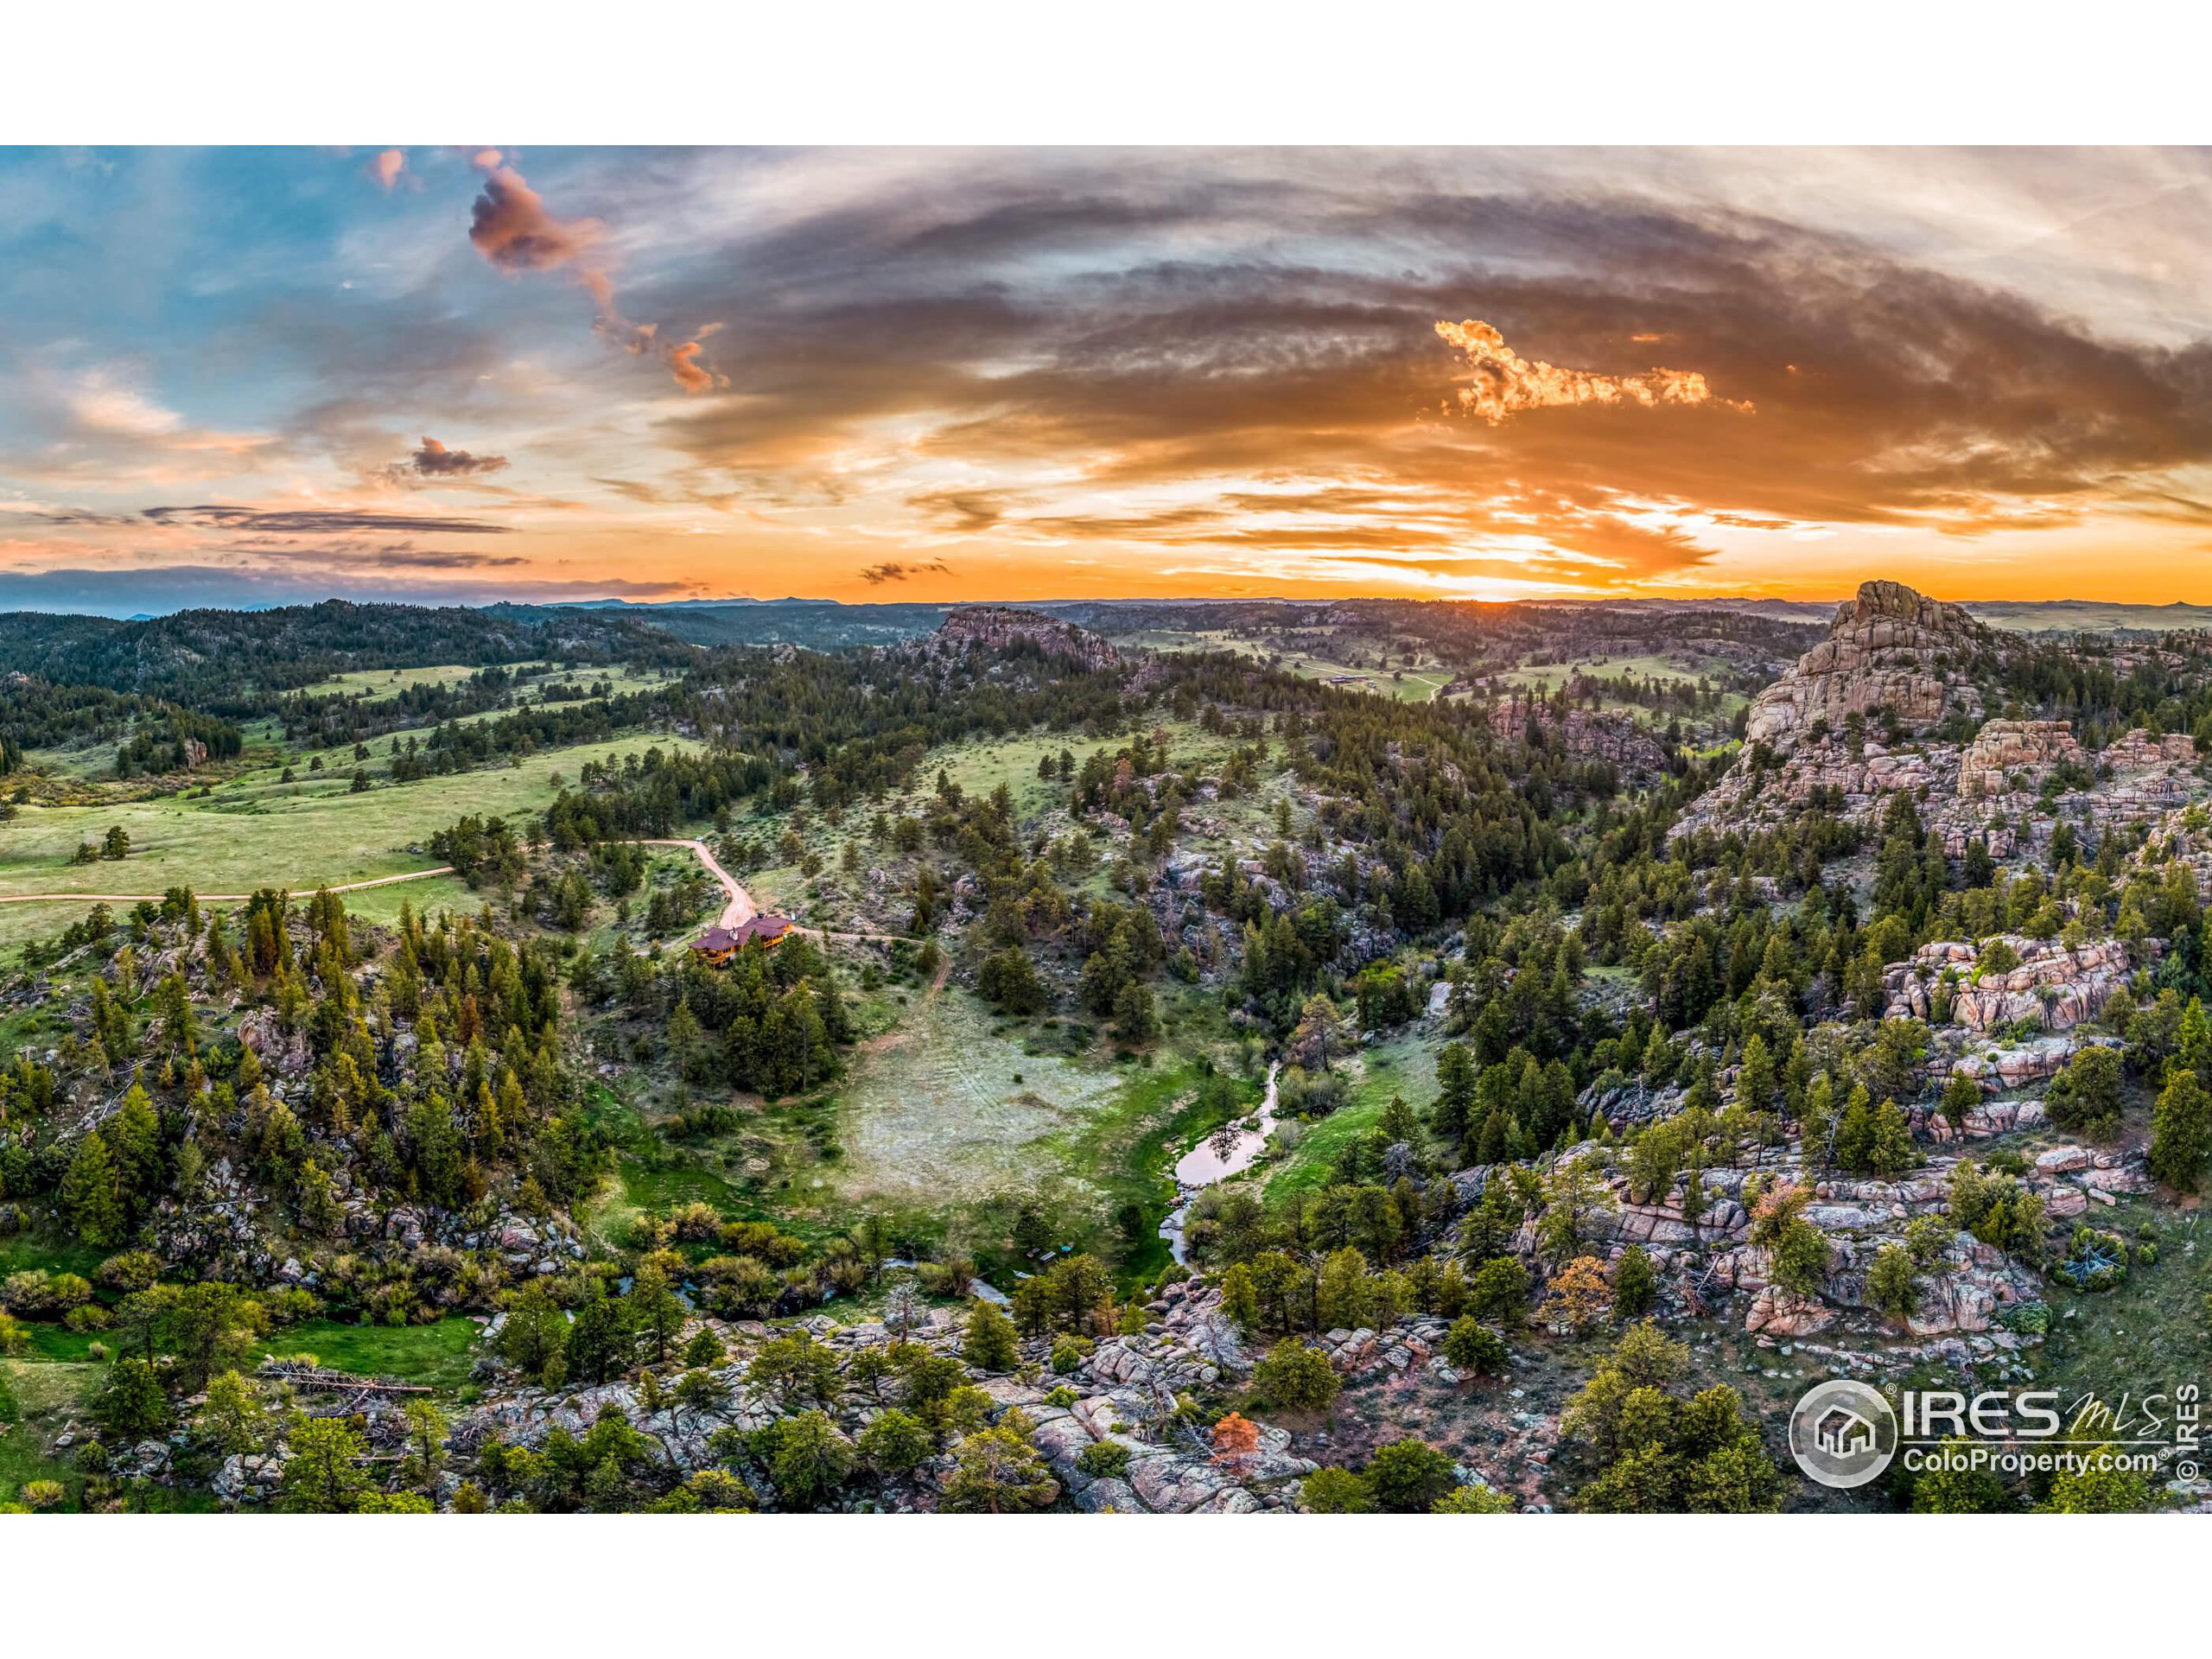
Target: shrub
[
  {"x": 1499, "y": 1291},
  {"x": 131, "y": 1270},
  {"x": 42, "y": 1494},
  {"x": 1296, "y": 1376},
  {"x": 1635, "y": 1285},
  {"x": 2085, "y": 1096},
  {"x": 1407, "y": 1476},
  {"x": 36, "y": 1291},
  {"x": 1104, "y": 1458},
  {"x": 1337, "y": 1492},
  {"x": 894, "y": 1443},
  {"x": 132, "y": 1405},
  {"x": 1471, "y": 1347},
  {"x": 1472, "y": 1500}
]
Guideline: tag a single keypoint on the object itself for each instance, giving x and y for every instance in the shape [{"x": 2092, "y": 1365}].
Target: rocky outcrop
[
  {"x": 1585, "y": 733},
  {"x": 999, "y": 627},
  {"x": 1890, "y": 648},
  {"x": 1992, "y": 789},
  {"x": 2053, "y": 986},
  {"x": 1779, "y": 1313},
  {"x": 1127, "y": 1391},
  {"x": 2007, "y": 752}
]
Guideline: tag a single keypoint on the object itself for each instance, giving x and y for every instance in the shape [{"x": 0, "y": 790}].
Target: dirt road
[
  {"x": 205, "y": 898},
  {"x": 741, "y": 908}
]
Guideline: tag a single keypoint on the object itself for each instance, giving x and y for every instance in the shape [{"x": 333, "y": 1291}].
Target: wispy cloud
[
  {"x": 896, "y": 570},
  {"x": 318, "y": 521}
]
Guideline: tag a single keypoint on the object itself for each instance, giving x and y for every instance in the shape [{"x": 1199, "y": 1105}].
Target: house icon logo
[{"x": 1843, "y": 1434}]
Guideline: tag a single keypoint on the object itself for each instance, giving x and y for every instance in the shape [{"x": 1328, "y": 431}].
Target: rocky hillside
[
  {"x": 1890, "y": 703},
  {"x": 997, "y": 628},
  {"x": 1890, "y": 652}
]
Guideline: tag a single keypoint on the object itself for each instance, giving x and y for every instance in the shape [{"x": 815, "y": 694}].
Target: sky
[{"x": 252, "y": 376}]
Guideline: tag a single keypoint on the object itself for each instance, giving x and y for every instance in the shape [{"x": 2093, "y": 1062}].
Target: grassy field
[
  {"x": 2147, "y": 1333},
  {"x": 1415, "y": 682},
  {"x": 438, "y": 1354},
  {"x": 25, "y": 1250},
  {"x": 946, "y": 1122},
  {"x": 941, "y": 1111},
  {"x": 259, "y": 831},
  {"x": 48, "y": 1396},
  {"x": 380, "y": 685},
  {"x": 1404, "y": 1066}
]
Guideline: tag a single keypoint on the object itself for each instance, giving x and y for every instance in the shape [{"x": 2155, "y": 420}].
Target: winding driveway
[
  {"x": 209, "y": 898},
  {"x": 738, "y": 907},
  {"x": 741, "y": 909}
]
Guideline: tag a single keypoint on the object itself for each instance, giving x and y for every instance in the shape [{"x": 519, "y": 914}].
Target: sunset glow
[{"x": 251, "y": 377}]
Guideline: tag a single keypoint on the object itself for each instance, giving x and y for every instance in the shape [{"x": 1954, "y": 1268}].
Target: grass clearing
[
  {"x": 258, "y": 832},
  {"x": 942, "y": 1109},
  {"x": 438, "y": 1354},
  {"x": 2147, "y": 1333},
  {"x": 49, "y": 1396},
  {"x": 1403, "y": 1065},
  {"x": 1419, "y": 680}
]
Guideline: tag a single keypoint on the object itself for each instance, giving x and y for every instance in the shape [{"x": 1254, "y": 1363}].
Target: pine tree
[
  {"x": 133, "y": 1137},
  {"x": 1893, "y": 1284},
  {"x": 2181, "y": 1131},
  {"x": 1635, "y": 1285},
  {"x": 1452, "y": 1112},
  {"x": 1890, "y": 1149},
  {"x": 990, "y": 1344},
  {"x": 1754, "y": 1078},
  {"x": 323, "y": 1475},
  {"x": 654, "y": 1310},
  {"x": 89, "y": 1194}
]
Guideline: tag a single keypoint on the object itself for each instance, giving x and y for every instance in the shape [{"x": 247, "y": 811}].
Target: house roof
[{"x": 765, "y": 929}]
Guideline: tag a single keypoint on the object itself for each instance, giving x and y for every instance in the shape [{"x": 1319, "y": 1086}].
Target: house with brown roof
[{"x": 719, "y": 944}]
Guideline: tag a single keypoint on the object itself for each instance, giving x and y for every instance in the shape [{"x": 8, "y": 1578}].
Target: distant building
[{"x": 719, "y": 944}]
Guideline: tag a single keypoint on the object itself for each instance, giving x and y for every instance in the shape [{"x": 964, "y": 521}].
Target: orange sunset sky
[{"x": 252, "y": 376}]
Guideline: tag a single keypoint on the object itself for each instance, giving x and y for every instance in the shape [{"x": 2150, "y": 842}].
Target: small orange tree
[
  {"x": 1578, "y": 1296},
  {"x": 1235, "y": 1442}
]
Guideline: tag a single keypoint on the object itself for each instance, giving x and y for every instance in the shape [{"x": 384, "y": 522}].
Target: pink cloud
[{"x": 512, "y": 227}]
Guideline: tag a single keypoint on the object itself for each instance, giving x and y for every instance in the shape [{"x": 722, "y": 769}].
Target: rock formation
[
  {"x": 1890, "y": 648},
  {"x": 997, "y": 627},
  {"x": 2052, "y": 986},
  {"x": 2006, "y": 753},
  {"x": 1585, "y": 733}
]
